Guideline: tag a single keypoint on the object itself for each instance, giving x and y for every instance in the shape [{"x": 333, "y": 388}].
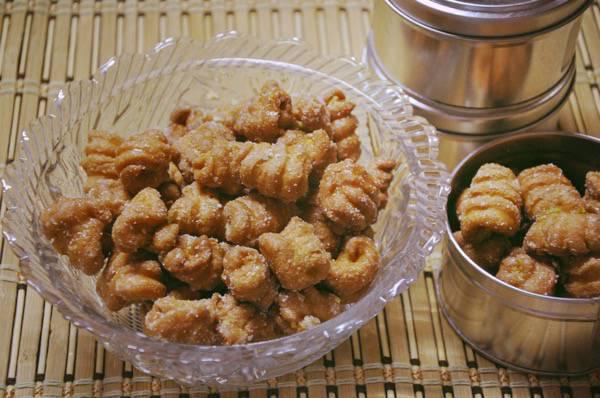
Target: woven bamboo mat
[{"x": 407, "y": 350}]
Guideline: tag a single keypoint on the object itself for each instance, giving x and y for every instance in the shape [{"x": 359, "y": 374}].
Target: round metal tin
[{"x": 539, "y": 334}]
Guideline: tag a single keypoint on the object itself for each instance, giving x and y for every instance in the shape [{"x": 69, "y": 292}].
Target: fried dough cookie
[
  {"x": 535, "y": 275},
  {"x": 100, "y": 153},
  {"x": 143, "y": 160},
  {"x": 75, "y": 227},
  {"x": 546, "y": 190},
  {"x": 282, "y": 170},
  {"x": 564, "y": 234},
  {"x": 488, "y": 253},
  {"x": 355, "y": 267},
  {"x": 296, "y": 255},
  {"x": 247, "y": 217},
  {"x": 298, "y": 311},
  {"x": 343, "y": 125},
  {"x": 492, "y": 204},
  {"x": 197, "y": 261},
  {"x": 248, "y": 277},
  {"x": 583, "y": 276},
  {"x": 139, "y": 220},
  {"x": 128, "y": 279},
  {"x": 349, "y": 196},
  {"x": 264, "y": 117}
]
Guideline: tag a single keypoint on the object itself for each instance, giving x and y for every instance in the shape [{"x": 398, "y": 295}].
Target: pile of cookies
[
  {"x": 554, "y": 247},
  {"x": 236, "y": 225}
]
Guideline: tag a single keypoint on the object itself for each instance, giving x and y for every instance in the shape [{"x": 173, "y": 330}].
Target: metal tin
[
  {"x": 475, "y": 72},
  {"x": 531, "y": 332}
]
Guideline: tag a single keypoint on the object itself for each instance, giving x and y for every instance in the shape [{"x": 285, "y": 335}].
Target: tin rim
[
  {"x": 475, "y": 266},
  {"x": 472, "y": 20}
]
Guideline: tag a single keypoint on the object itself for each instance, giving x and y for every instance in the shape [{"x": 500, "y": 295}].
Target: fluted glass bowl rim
[{"x": 423, "y": 160}]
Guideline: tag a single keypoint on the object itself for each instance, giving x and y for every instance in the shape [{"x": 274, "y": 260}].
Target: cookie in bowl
[{"x": 214, "y": 206}]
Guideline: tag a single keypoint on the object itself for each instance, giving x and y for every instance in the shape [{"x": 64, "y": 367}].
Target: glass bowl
[{"x": 135, "y": 92}]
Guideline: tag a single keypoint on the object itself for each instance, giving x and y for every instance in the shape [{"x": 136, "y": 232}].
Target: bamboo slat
[
  {"x": 8, "y": 85},
  {"x": 407, "y": 350}
]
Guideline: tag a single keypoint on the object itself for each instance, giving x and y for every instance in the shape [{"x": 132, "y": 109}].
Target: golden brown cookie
[
  {"x": 349, "y": 196},
  {"x": 545, "y": 190},
  {"x": 197, "y": 261},
  {"x": 139, "y": 220},
  {"x": 197, "y": 212},
  {"x": 583, "y": 276},
  {"x": 564, "y": 234},
  {"x": 128, "y": 279},
  {"x": 264, "y": 117},
  {"x": 183, "y": 321},
  {"x": 355, "y": 267},
  {"x": 248, "y": 277},
  {"x": 491, "y": 205},
  {"x": 143, "y": 160},
  {"x": 535, "y": 275},
  {"x": 296, "y": 255},
  {"x": 301, "y": 310},
  {"x": 75, "y": 227},
  {"x": 247, "y": 217}
]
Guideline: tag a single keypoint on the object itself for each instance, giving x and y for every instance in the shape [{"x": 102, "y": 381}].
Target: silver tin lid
[{"x": 489, "y": 18}]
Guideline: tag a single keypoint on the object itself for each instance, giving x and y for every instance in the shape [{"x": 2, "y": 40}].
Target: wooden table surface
[{"x": 407, "y": 350}]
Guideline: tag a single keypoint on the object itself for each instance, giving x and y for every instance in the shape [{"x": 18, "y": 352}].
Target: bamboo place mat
[{"x": 407, "y": 350}]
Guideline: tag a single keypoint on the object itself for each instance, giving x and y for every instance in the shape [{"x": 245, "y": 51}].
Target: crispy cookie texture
[
  {"x": 141, "y": 217},
  {"x": 240, "y": 323},
  {"x": 100, "y": 153},
  {"x": 533, "y": 274},
  {"x": 107, "y": 194},
  {"x": 248, "y": 277},
  {"x": 488, "y": 253},
  {"x": 282, "y": 170},
  {"x": 311, "y": 114},
  {"x": 355, "y": 267},
  {"x": 75, "y": 227},
  {"x": 198, "y": 144},
  {"x": 265, "y": 117},
  {"x": 343, "y": 125},
  {"x": 197, "y": 261},
  {"x": 349, "y": 196},
  {"x": 300, "y": 310},
  {"x": 296, "y": 255},
  {"x": 128, "y": 279},
  {"x": 491, "y": 205},
  {"x": 183, "y": 321},
  {"x": 247, "y": 217},
  {"x": 313, "y": 214},
  {"x": 583, "y": 276},
  {"x": 592, "y": 192},
  {"x": 564, "y": 234},
  {"x": 143, "y": 160},
  {"x": 198, "y": 212},
  {"x": 546, "y": 190}
]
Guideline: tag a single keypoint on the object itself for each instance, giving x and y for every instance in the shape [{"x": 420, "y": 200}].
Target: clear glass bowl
[{"x": 135, "y": 92}]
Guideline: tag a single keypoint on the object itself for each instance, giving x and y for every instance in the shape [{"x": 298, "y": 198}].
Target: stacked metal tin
[{"x": 478, "y": 69}]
